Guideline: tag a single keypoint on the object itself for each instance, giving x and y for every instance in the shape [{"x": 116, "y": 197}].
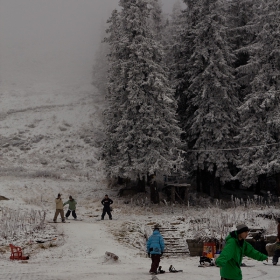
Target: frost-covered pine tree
[
  {"x": 260, "y": 111},
  {"x": 178, "y": 46},
  {"x": 156, "y": 19},
  {"x": 143, "y": 136},
  {"x": 100, "y": 66},
  {"x": 115, "y": 91},
  {"x": 242, "y": 28},
  {"x": 211, "y": 117}
]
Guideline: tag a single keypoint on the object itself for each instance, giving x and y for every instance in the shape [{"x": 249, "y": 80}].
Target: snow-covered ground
[{"x": 50, "y": 138}]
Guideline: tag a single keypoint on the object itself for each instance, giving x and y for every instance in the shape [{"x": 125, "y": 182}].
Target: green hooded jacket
[
  {"x": 231, "y": 256},
  {"x": 72, "y": 204}
]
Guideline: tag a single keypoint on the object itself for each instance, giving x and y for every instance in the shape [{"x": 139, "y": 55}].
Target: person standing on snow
[
  {"x": 155, "y": 248},
  {"x": 106, "y": 202},
  {"x": 275, "y": 247},
  {"x": 59, "y": 209},
  {"x": 276, "y": 254},
  {"x": 231, "y": 256},
  {"x": 72, "y": 207}
]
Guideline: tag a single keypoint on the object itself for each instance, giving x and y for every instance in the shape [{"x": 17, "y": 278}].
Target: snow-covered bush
[{"x": 19, "y": 226}]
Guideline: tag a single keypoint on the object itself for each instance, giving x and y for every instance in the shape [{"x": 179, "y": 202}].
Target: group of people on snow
[
  {"x": 106, "y": 202},
  {"x": 230, "y": 259}
]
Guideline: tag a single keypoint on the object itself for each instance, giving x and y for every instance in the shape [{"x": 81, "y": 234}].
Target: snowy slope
[{"x": 50, "y": 138}]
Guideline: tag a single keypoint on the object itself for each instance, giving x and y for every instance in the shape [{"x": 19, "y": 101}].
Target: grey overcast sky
[{"x": 44, "y": 40}]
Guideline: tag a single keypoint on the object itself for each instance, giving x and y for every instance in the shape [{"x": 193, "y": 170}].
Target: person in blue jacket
[{"x": 155, "y": 249}]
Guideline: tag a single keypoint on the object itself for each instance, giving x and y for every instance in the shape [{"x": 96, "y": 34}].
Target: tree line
[{"x": 194, "y": 92}]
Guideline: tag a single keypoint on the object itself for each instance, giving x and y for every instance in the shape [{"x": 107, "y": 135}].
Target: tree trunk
[
  {"x": 217, "y": 187},
  {"x": 260, "y": 183},
  {"x": 277, "y": 177},
  {"x": 141, "y": 184},
  {"x": 198, "y": 180},
  {"x": 150, "y": 179},
  {"x": 154, "y": 193},
  {"x": 206, "y": 181}
]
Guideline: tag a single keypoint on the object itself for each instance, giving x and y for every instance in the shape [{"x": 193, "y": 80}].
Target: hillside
[
  {"x": 50, "y": 138},
  {"x": 50, "y": 130}
]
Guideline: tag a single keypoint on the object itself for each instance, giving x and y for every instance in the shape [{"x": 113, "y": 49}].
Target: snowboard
[
  {"x": 171, "y": 270},
  {"x": 180, "y": 270},
  {"x": 52, "y": 222},
  {"x": 247, "y": 265},
  {"x": 203, "y": 265},
  {"x": 269, "y": 264},
  {"x": 113, "y": 219}
]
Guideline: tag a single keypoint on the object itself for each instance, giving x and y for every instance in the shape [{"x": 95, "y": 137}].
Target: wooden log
[{"x": 112, "y": 256}]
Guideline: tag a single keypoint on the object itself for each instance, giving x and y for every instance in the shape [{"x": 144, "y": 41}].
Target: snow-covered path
[
  {"x": 82, "y": 257},
  {"x": 73, "y": 168}
]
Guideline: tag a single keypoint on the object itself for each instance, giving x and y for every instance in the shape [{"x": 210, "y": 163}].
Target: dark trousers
[
  {"x": 73, "y": 214},
  {"x": 108, "y": 211},
  {"x": 276, "y": 256},
  {"x": 155, "y": 262}
]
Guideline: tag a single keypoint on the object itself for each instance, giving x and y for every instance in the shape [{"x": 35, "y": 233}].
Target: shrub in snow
[{"x": 19, "y": 226}]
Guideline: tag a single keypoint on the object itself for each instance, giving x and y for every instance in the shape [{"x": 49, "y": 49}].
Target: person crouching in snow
[
  {"x": 72, "y": 207},
  {"x": 230, "y": 258},
  {"x": 155, "y": 248}
]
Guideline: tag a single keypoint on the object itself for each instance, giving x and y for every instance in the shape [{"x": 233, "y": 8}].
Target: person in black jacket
[{"x": 106, "y": 202}]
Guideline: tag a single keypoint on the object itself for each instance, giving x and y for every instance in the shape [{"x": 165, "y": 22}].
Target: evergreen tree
[
  {"x": 242, "y": 29},
  {"x": 115, "y": 92},
  {"x": 156, "y": 19},
  {"x": 211, "y": 101},
  {"x": 100, "y": 66},
  {"x": 260, "y": 110},
  {"x": 178, "y": 46},
  {"x": 143, "y": 136}
]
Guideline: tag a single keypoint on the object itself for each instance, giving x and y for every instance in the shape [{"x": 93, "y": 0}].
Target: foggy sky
[{"x": 47, "y": 40}]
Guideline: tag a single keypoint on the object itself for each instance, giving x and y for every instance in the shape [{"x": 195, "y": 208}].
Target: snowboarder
[
  {"x": 155, "y": 248},
  {"x": 230, "y": 258},
  {"x": 106, "y": 202},
  {"x": 59, "y": 209},
  {"x": 72, "y": 207}
]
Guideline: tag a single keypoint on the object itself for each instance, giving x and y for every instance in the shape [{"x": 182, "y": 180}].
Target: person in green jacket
[
  {"x": 72, "y": 207},
  {"x": 231, "y": 256}
]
